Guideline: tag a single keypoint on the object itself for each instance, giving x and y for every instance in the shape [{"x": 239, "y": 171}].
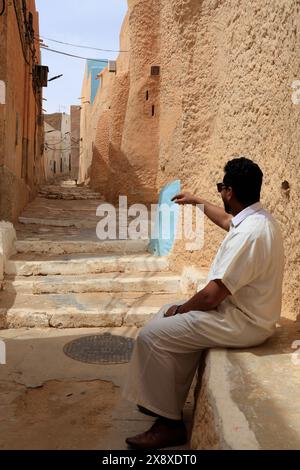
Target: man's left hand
[{"x": 172, "y": 311}]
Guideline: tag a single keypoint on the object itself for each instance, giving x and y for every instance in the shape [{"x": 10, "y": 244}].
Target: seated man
[{"x": 239, "y": 307}]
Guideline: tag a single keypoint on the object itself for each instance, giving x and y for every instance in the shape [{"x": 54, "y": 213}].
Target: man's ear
[{"x": 230, "y": 193}]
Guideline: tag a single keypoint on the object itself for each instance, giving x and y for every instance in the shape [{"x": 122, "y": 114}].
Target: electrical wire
[
  {"x": 60, "y": 150},
  {"x": 47, "y": 147},
  {"x": 20, "y": 33},
  {"x": 103, "y": 61},
  {"x": 56, "y": 143},
  {"x": 3, "y": 8},
  {"x": 63, "y": 139},
  {"x": 77, "y": 45}
]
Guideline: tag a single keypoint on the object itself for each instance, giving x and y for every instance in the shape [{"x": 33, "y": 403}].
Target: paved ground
[{"x": 49, "y": 401}]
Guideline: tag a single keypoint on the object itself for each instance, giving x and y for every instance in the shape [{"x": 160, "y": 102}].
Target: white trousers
[{"x": 168, "y": 350}]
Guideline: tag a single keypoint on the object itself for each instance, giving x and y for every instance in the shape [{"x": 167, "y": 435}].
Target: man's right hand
[
  {"x": 216, "y": 214},
  {"x": 185, "y": 198}
]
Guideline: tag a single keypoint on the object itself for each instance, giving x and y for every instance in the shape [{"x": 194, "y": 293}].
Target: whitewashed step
[
  {"x": 34, "y": 265},
  {"x": 80, "y": 310},
  {"x": 81, "y": 246},
  {"x": 83, "y": 223},
  {"x": 72, "y": 195},
  {"x": 111, "y": 282}
]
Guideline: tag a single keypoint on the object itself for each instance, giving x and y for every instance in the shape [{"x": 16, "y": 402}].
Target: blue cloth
[{"x": 165, "y": 227}]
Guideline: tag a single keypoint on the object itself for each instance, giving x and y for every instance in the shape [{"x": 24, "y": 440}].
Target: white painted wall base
[{"x": 8, "y": 238}]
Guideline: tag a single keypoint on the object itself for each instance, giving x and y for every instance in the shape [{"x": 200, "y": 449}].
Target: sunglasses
[{"x": 221, "y": 186}]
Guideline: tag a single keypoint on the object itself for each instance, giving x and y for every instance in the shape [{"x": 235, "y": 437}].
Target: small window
[
  {"x": 155, "y": 70},
  {"x": 54, "y": 167},
  {"x": 147, "y": 95},
  {"x": 153, "y": 110}
]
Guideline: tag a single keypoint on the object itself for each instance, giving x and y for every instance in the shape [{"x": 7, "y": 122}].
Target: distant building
[
  {"x": 75, "y": 141},
  {"x": 57, "y": 145},
  {"x": 21, "y": 122}
]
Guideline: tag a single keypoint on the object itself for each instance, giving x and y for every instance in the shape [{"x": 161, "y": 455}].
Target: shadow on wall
[
  {"x": 99, "y": 169},
  {"x": 124, "y": 179},
  {"x": 98, "y": 172},
  {"x": 14, "y": 195},
  {"x": 112, "y": 172},
  {"x": 120, "y": 179}
]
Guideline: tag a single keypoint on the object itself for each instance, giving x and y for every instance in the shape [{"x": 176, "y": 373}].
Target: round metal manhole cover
[{"x": 100, "y": 349}]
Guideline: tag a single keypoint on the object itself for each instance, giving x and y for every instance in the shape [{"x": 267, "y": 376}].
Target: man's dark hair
[{"x": 245, "y": 178}]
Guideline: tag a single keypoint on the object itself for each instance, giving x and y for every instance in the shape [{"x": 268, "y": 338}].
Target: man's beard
[{"x": 227, "y": 208}]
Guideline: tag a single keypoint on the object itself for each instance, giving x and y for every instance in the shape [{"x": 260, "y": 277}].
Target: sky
[{"x": 95, "y": 23}]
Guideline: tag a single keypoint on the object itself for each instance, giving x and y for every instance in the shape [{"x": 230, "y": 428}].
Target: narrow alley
[
  {"x": 149, "y": 170},
  {"x": 64, "y": 277}
]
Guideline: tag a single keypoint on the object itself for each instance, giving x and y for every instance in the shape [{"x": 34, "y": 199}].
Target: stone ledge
[
  {"x": 22, "y": 265},
  {"x": 219, "y": 424},
  {"x": 140, "y": 316},
  {"x": 63, "y": 247},
  {"x": 250, "y": 398},
  {"x": 80, "y": 310},
  {"x": 58, "y": 222},
  {"x": 111, "y": 282},
  {"x": 109, "y": 319},
  {"x": 21, "y": 319}
]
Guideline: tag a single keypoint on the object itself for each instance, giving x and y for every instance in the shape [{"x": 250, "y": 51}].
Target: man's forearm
[
  {"x": 206, "y": 300},
  {"x": 216, "y": 214},
  {"x": 200, "y": 301}
]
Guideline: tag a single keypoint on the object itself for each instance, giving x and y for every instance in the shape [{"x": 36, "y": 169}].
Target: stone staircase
[
  {"x": 88, "y": 290},
  {"x": 68, "y": 190},
  {"x": 63, "y": 276}
]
